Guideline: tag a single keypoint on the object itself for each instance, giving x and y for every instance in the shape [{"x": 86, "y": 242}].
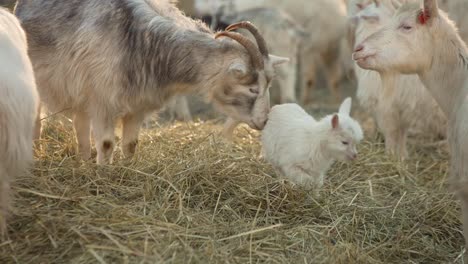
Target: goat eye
[
  {"x": 345, "y": 142},
  {"x": 253, "y": 90},
  {"x": 406, "y": 27}
]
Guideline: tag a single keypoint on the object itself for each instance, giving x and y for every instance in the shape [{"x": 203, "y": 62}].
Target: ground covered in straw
[{"x": 189, "y": 197}]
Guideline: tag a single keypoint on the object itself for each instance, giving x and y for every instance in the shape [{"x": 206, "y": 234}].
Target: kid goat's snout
[{"x": 359, "y": 48}]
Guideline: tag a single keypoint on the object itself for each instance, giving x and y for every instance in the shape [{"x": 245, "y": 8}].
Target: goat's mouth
[
  {"x": 257, "y": 125},
  {"x": 351, "y": 157},
  {"x": 362, "y": 59}
]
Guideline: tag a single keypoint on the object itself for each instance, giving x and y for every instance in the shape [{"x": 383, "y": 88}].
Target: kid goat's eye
[{"x": 345, "y": 142}]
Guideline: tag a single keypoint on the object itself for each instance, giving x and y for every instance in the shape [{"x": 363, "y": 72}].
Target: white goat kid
[
  {"x": 407, "y": 105},
  {"x": 425, "y": 42},
  {"x": 303, "y": 149},
  {"x": 18, "y": 106}
]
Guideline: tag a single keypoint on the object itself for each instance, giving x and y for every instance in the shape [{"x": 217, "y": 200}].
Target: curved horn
[
  {"x": 251, "y": 48},
  {"x": 262, "y": 46}
]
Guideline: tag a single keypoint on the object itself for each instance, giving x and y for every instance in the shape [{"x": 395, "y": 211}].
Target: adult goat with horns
[{"x": 120, "y": 59}]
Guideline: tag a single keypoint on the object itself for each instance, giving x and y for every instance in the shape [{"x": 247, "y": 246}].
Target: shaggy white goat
[
  {"x": 426, "y": 42},
  {"x": 18, "y": 106},
  {"x": 407, "y": 105},
  {"x": 303, "y": 149}
]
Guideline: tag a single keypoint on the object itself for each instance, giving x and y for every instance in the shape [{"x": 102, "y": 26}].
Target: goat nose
[
  {"x": 359, "y": 48},
  {"x": 355, "y": 156}
]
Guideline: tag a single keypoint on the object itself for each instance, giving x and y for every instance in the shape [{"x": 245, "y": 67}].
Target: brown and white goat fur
[
  {"x": 425, "y": 41},
  {"x": 407, "y": 105},
  {"x": 105, "y": 60},
  {"x": 18, "y": 106}
]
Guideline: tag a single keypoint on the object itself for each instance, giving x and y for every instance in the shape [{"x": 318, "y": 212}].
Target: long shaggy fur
[{"x": 18, "y": 105}]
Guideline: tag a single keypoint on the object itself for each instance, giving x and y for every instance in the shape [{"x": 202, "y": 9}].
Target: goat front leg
[
  {"x": 389, "y": 123},
  {"x": 4, "y": 200},
  {"x": 334, "y": 71},
  {"x": 104, "y": 138},
  {"x": 38, "y": 125},
  {"x": 402, "y": 138},
  {"x": 300, "y": 176},
  {"x": 308, "y": 76},
  {"x": 229, "y": 127},
  {"x": 390, "y": 134},
  {"x": 82, "y": 126},
  {"x": 463, "y": 196},
  {"x": 131, "y": 124},
  {"x": 182, "y": 109}
]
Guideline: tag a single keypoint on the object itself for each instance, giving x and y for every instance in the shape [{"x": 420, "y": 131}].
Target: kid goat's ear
[
  {"x": 335, "y": 121},
  {"x": 345, "y": 107}
]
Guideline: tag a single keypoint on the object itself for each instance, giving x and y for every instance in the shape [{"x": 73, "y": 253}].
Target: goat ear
[
  {"x": 237, "y": 69},
  {"x": 276, "y": 60},
  {"x": 335, "y": 121},
  {"x": 345, "y": 107},
  {"x": 430, "y": 11}
]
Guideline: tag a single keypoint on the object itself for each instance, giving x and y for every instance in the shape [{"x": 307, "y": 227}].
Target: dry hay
[{"x": 188, "y": 197}]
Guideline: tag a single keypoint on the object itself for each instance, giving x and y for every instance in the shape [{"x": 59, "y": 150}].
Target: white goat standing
[
  {"x": 18, "y": 106},
  {"x": 407, "y": 105},
  {"x": 426, "y": 42},
  {"x": 303, "y": 149}
]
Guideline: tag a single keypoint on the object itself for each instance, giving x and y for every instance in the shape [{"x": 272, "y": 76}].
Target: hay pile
[{"x": 188, "y": 197}]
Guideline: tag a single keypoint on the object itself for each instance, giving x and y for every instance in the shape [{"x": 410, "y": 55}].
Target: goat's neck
[
  {"x": 447, "y": 77},
  {"x": 212, "y": 62},
  {"x": 319, "y": 155}
]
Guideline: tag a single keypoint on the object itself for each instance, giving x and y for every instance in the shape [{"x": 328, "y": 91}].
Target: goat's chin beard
[{"x": 367, "y": 63}]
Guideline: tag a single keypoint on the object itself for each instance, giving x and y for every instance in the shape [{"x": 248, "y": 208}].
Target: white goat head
[
  {"x": 405, "y": 44},
  {"x": 244, "y": 92},
  {"x": 345, "y": 134}
]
